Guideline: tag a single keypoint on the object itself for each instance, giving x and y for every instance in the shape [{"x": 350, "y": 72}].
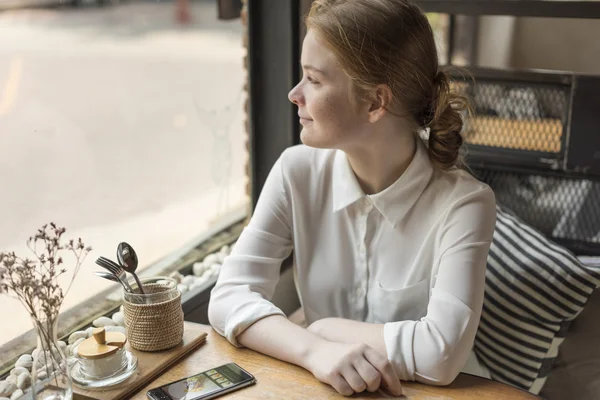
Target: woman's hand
[{"x": 352, "y": 368}]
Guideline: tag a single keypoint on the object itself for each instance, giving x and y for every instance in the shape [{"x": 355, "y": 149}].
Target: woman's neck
[{"x": 380, "y": 162}]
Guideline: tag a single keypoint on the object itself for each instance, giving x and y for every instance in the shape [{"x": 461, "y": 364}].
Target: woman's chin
[{"x": 309, "y": 138}]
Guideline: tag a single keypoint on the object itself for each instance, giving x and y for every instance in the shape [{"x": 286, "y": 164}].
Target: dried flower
[{"x": 35, "y": 282}]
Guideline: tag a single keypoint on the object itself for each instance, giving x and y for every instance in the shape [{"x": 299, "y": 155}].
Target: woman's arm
[
  {"x": 280, "y": 338},
  {"x": 434, "y": 349},
  {"x": 349, "y": 368},
  {"x": 249, "y": 275},
  {"x": 349, "y": 331}
]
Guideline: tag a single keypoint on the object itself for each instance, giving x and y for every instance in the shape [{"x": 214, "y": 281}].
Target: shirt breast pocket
[{"x": 408, "y": 303}]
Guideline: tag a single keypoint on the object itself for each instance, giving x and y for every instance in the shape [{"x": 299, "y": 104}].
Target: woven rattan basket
[{"x": 154, "y": 326}]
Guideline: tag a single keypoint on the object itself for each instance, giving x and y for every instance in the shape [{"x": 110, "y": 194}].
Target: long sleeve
[
  {"x": 434, "y": 349},
  {"x": 249, "y": 275}
]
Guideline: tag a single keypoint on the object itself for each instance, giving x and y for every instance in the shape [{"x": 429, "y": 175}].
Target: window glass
[{"x": 121, "y": 121}]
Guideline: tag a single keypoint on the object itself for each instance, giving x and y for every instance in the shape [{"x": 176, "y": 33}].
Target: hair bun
[{"x": 445, "y": 139}]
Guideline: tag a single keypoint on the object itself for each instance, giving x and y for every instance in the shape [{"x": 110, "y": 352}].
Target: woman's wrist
[{"x": 311, "y": 347}]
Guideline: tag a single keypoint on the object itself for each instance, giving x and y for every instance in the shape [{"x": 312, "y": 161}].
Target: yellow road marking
[{"x": 11, "y": 89}]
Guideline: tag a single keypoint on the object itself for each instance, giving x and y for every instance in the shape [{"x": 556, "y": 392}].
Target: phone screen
[{"x": 205, "y": 383}]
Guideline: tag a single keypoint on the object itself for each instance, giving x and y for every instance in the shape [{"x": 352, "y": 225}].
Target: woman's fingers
[
  {"x": 340, "y": 384},
  {"x": 354, "y": 379},
  {"x": 369, "y": 374},
  {"x": 388, "y": 374}
]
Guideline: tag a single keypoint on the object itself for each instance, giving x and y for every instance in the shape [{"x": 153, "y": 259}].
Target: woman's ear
[{"x": 381, "y": 100}]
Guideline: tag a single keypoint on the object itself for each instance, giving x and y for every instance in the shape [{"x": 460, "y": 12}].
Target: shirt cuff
[
  {"x": 398, "y": 338},
  {"x": 247, "y": 314}
]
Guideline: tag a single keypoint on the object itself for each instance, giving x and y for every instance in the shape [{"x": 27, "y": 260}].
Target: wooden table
[{"x": 279, "y": 380}]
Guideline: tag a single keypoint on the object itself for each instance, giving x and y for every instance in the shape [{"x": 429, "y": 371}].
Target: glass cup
[{"x": 157, "y": 289}]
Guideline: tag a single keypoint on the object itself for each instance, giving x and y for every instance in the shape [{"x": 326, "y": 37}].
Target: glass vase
[{"x": 50, "y": 379}]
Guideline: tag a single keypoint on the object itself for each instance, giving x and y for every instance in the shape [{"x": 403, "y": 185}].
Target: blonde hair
[{"x": 391, "y": 42}]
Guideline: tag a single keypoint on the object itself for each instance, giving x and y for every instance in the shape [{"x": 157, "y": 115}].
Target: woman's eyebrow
[{"x": 309, "y": 67}]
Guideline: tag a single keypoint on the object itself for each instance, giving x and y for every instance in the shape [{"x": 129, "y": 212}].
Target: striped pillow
[{"x": 534, "y": 289}]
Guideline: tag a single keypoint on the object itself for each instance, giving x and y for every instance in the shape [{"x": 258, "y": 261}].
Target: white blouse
[{"x": 411, "y": 257}]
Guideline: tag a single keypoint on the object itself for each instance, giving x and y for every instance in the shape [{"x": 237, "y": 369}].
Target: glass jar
[
  {"x": 103, "y": 360},
  {"x": 157, "y": 289}
]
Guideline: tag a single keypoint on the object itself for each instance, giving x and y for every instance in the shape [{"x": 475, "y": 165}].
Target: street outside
[{"x": 121, "y": 125}]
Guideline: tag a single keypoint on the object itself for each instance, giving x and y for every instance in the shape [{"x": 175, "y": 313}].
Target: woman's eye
[{"x": 312, "y": 80}]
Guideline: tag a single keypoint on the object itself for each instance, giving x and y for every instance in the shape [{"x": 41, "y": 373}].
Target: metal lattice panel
[
  {"x": 513, "y": 116},
  {"x": 559, "y": 207}
]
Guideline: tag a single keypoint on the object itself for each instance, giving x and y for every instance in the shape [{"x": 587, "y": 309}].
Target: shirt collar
[{"x": 393, "y": 202}]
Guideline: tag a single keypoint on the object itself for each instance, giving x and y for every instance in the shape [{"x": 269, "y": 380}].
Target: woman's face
[{"x": 330, "y": 114}]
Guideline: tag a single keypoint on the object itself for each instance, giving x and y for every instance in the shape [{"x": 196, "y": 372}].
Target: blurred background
[{"x": 120, "y": 121}]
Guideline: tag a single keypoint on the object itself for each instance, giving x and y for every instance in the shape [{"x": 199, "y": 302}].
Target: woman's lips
[{"x": 305, "y": 121}]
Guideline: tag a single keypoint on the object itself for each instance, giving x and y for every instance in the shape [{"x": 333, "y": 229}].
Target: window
[{"x": 121, "y": 124}]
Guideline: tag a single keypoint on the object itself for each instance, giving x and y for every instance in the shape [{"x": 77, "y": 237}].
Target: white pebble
[
  {"x": 176, "y": 276},
  {"x": 18, "y": 371},
  {"x": 74, "y": 346},
  {"x": 12, "y": 378},
  {"x": 24, "y": 381},
  {"x": 221, "y": 258},
  {"x": 40, "y": 360},
  {"x": 116, "y": 329},
  {"x": 25, "y": 361},
  {"x": 199, "y": 268},
  {"x": 90, "y": 331},
  {"x": 211, "y": 258},
  {"x": 7, "y": 388},
  {"x": 207, "y": 274},
  {"x": 225, "y": 249},
  {"x": 182, "y": 288},
  {"x": 103, "y": 321},
  {"x": 204, "y": 278},
  {"x": 188, "y": 280},
  {"x": 16, "y": 394},
  {"x": 62, "y": 346},
  {"x": 77, "y": 335},
  {"x": 119, "y": 318},
  {"x": 42, "y": 375},
  {"x": 35, "y": 352}
]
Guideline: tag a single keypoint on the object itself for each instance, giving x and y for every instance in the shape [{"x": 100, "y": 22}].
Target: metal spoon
[
  {"x": 115, "y": 269},
  {"x": 111, "y": 277},
  {"x": 129, "y": 261}
]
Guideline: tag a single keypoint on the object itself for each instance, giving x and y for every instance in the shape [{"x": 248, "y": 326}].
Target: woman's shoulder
[{"x": 456, "y": 184}]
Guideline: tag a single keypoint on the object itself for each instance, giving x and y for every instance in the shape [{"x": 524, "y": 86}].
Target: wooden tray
[{"x": 150, "y": 365}]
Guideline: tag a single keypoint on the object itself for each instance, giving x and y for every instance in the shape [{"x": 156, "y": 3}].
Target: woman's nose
[{"x": 295, "y": 95}]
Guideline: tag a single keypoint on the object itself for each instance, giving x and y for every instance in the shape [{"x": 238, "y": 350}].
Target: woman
[{"x": 390, "y": 239}]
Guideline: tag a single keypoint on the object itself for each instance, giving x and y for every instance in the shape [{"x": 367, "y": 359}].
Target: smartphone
[{"x": 205, "y": 385}]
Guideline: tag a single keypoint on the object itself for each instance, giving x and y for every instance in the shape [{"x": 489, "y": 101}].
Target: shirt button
[{"x": 360, "y": 292}]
